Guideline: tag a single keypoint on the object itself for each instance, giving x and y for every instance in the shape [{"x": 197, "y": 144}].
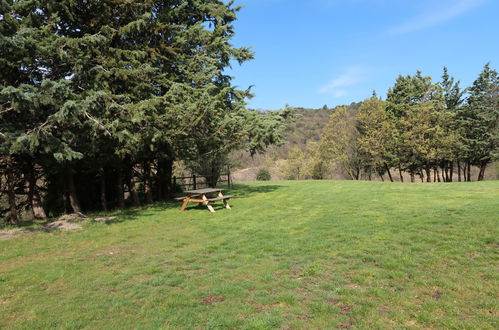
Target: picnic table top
[{"x": 203, "y": 191}]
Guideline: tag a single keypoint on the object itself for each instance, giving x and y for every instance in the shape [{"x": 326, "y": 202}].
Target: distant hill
[{"x": 304, "y": 125}]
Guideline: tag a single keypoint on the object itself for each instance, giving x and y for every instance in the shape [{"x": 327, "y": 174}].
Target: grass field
[{"x": 311, "y": 254}]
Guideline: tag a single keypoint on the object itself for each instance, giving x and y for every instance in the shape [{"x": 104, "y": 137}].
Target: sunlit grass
[{"x": 311, "y": 254}]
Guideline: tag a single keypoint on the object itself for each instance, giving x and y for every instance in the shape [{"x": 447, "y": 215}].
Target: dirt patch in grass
[
  {"x": 260, "y": 307},
  {"x": 347, "y": 325},
  {"x": 344, "y": 307},
  {"x": 354, "y": 286},
  {"x": 61, "y": 225},
  {"x": 472, "y": 255},
  {"x": 65, "y": 222},
  {"x": 437, "y": 295},
  {"x": 210, "y": 300},
  {"x": 7, "y": 234},
  {"x": 384, "y": 309}
]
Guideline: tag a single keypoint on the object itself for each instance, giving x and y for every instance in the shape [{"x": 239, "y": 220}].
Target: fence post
[{"x": 194, "y": 181}]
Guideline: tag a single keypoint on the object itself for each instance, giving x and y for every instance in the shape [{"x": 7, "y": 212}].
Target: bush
[{"x": 263, "y": 174}]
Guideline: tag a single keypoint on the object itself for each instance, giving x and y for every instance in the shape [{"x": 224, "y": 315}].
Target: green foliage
[
  {"x": 309, "y": 163},
  {"x": 316, "y": 166},
  {"x": 339, "y": 141},
  {"x": 480, "y": 118},
  {"x": 293, "y": 167},
  {"x": 409, "y": 91},
  {"x": 251, "y": 131},
  {"x": 263, "y": 174},
  {"x": 377, "y": 140}
]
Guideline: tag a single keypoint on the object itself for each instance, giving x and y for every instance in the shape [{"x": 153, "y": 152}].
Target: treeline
[
  {"x": 99, "y": 98},
  {"x": 432, "y": 131}
]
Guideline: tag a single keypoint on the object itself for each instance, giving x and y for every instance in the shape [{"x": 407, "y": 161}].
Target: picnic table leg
[
  {"x": 186, "y": 201},
  {"x": 212, "y": 210},
  {"x": 220, "y": 195}
]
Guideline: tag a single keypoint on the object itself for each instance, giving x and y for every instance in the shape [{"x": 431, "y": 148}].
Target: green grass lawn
[{"x": 305, "y": 254}]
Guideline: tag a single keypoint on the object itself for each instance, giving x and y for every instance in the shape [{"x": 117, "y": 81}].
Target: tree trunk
[
  {"x": 33, "y": 193},
  {"x": 102, "y": 180},
  {"x": 469, "y": 172},
  {"x": 446, "y": 171},
  {"x": 11, "y": 194},
  {"x": 459, "y": 171},
  {"x": 380, "y": 175},
  {"x": 483, "y": 166},
  {"x": 119, "y": 186},
  {"x": 147, "y": 182},
  {"x": 438, "y": 174},
  {"x": 65, "y": 196},
  {"x": 401, "y": 176},
  {"x": 451, "y": 172},
  {"x": 421, "y": 175},
  {"x": 412, "y": 176},
  {"x": 389, "y": 173},
  {"x": 428, "y": 173},
  {"x": 165, "y": 171},
  {"x": 73, "y": 198},
  {"x": 131, "y": 188}
]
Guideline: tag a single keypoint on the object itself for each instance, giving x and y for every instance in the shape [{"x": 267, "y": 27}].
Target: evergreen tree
[
  {"x": 408, "y": 96},
  {"x": 481, "y": 120},
  {"x": 454, "y": 98}
]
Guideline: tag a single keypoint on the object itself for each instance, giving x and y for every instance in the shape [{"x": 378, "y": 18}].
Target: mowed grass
[{"x": 310, "y": 254}]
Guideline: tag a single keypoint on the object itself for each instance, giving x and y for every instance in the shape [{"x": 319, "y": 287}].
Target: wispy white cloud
[
  {"x": 437, "y": 15},
  {"x": 338, "y": 87}
]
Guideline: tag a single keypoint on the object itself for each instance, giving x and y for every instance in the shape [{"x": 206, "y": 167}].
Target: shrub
[{"x": 263, "y": 174}]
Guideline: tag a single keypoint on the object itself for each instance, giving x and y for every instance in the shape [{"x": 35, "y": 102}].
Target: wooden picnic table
[{"x": 202, "y": 196}]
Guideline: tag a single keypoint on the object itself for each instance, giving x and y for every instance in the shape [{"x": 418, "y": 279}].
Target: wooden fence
[{"x": 197, "y": 181}]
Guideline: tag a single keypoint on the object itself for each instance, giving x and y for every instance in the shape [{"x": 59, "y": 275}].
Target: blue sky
[{"x": 314, "y": 52}]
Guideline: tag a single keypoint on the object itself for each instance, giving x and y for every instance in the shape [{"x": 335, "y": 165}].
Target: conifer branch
[
  {"x": 98, "y": 123},
  {"x": 6, "y": 110}
]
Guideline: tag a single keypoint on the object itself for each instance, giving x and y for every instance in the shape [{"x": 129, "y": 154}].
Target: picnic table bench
[{"x": 201, "y": 196}]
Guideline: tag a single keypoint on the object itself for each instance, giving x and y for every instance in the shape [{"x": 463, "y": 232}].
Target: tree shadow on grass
[
  {"x": 242, "y": 190},
  {"x": 237, "y": 190},
  {"x": 143, "y": 211}
]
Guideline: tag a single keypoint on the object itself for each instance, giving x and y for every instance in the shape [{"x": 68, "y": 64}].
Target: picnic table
[{"x": 202, "y": 196}]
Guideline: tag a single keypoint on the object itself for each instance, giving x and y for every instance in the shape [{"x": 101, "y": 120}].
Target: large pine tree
[{"x": 481, "y": 120}]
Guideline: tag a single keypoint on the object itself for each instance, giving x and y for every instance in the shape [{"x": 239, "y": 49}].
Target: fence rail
[{"x": 198, "y": 181}]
